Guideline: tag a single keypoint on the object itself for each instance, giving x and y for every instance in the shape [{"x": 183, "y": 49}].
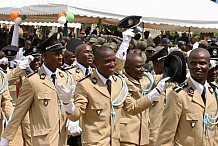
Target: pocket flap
[
  {"x": 124, "y": 120},
  {"x": 44, "y": 96},
  {"x": 192, "y": 116},
  {"x": 97, "y": 106},
  {"x": 41, "y": 132}
]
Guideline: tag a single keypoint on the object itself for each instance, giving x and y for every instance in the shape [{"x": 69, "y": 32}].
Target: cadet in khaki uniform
[
  {"x": 38, "y": 96},
  {"x": 100, "y": 104},
  {"x": 135, "y": 129},
  {"x": 84, "y": 59},
  {"x": 6, "y": 108},
  {"x": 25, "y": 67},
  {"x": 187, "y": 117}
]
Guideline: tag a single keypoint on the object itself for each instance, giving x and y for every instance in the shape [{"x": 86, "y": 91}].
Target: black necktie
[
  {"x": 203, "y": 95},
  {"x": 87, "y": 71},
  {"x": 53, "y": 76},
  {"x": 109, "y": 85}
]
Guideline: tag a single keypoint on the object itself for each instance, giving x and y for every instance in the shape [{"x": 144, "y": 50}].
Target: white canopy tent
[{"x": 180, "y": 15}]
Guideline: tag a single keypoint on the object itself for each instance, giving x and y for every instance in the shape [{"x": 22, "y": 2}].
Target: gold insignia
[
  {"x": 42, "y": 76},
  {"x": 61, "y": 74},
  {"x": 193, "y": 123},
  {"x": 94, "y": 80},
  {"x": 77, "y": 70},
  {"x": 130, "y": 22},
  {"x": 9, "y": 52},
  {"x": 45, "y": 102},
  {"x": 190, "y": 91},
  {"x": 98, "y": 112},
  {"x": 58, "y": 36},
  {"x": 34, "y": 50},
  {"x": 214, "y": 52},
  {"x": 115, "y": 79},
  {"x": 210, "y": 89}
]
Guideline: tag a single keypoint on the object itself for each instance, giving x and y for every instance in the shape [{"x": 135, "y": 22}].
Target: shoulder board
[
  {"x": 179, "y": 87},
  {"x": 118, "y": 74},
  {"x": 29, "y": 75},
  {"x": 64, "y": 68},
  {"x": 84, "y": 77}
]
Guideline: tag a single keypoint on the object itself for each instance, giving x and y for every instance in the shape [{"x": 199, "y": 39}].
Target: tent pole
[
  {"x": 100, "y": 27},
  {"x": 189, "y": 32},
  {"x": 65, "y": 29},
  {"x": 143, "y": 24}
]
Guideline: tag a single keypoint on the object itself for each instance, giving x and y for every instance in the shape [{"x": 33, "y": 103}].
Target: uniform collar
[
  {"x": 104, "y": 80},
  {"x": 198, "y": 86},
  {"x": 48, "y": 71},
  {"x": 82, "y": 68}
]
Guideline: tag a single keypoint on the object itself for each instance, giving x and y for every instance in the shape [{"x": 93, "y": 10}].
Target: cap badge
[
  {"x": 130, "y": 22},
  {"x": 9, "y": 52},
  {"x": 58, "y": 36},
  {"x": 214, "y": 53},
  {"x": 34, "y": 50}
]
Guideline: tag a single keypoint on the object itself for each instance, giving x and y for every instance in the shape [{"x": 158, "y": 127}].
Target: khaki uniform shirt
[
  {"x": 183, "y": 118},
  {"x": 94, "y": 103},
  {"x": 47, "y": 120}
]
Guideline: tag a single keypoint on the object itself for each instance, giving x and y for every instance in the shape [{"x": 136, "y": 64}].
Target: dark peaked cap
[
  {"x": 10, "y": 52},
  {"x": 129, "y": 22},
  {"x": 72, "y": 44},
  {"x": 213, "y": 50},
  {"x": 34, "y": 51},
  {"x": 52, "y": 43},
  {"x": 175, "y": 67}
]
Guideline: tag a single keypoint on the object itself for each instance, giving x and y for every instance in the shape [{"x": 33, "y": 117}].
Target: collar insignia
[
  {"x": 77, "y": 70},
  {"x": 42, "y": 76},
  {"x": 94, "y": 80},
  {"x": 191, "y": 91}
]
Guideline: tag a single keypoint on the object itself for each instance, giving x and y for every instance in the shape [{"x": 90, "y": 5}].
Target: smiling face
[
  {"x": 199, "y": 65},
  {"x": 105, "y": 61},
  {"x": 84, "y": 55},
  {"x": 53, "y": 59},
  {"x": 134, "y": 66}
]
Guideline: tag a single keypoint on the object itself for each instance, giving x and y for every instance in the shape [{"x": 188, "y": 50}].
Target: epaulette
[
  {"x": 179, "y": 87},
  {"x": 84, "y": 77},
  {"x": 118, "y": 74},
  {"x": 64, "y": 68},
  {"x": 29, "y": 75}
]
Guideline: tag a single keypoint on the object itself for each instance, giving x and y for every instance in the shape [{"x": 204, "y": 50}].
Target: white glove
[
  {"x": 24, "y": 62},
  {"x": 73, "y": 128},
  {"x": 171, "y": 49},
  {"x": 161, "y": 87},
  {"x": 4, "y": 61},
  {"x": 4, "y": 142},
  {"x": 127, "y": 35},
  {"x": 65, "y": 93}
]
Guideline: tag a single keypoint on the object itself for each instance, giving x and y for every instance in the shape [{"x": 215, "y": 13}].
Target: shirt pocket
[{"x": 192, "y": 118}]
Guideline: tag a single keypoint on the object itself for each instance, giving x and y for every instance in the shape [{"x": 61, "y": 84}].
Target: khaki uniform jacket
[
  {"x": 6, "y": 108},
  {"x": 93, "y": 103},
  {"x": 38, "y": 96},
  {"x": 135, "y": 128},
  {"x": 183, "y": 117},
  {"x": 155, "y": 115}
]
